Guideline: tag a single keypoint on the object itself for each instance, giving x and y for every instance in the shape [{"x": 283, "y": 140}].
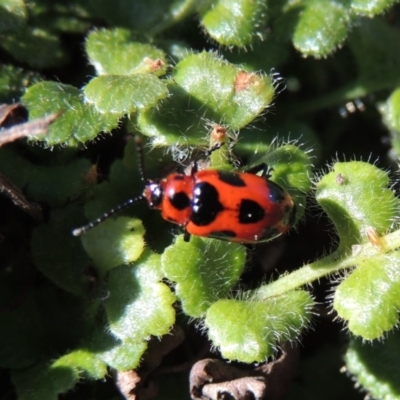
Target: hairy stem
[{"x": 330, "y": 264}]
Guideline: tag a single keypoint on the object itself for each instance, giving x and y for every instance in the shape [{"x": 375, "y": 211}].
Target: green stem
[{"x": 327, "y": 266}]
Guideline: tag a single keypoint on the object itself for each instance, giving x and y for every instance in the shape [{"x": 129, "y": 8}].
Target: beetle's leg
[
  {"x": 216, "y": 146},
  {"x": 260, "y": 167},
  {"x": 186, "y": 236}
]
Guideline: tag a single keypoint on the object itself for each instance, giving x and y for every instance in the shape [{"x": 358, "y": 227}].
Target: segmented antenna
[
  {"x": 127, "y": 203},
  {"x": 139, "y": 150},
  {"x": 92, "y": 224}
]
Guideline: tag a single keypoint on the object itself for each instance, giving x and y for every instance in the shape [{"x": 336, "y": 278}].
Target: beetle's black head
[{"x": 154, "y": 193}]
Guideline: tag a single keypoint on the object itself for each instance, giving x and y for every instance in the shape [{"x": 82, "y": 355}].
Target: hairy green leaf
[
  {"x": 369, "y": 299},
  {"x": 114, "y": 242},
  {"x": 370, "y": 8},
  {"x": 78, "y": 123},
  {"x": 44, "y": 381},
  {"x": 139, "y": 304},
  {"x": 321, "y": 28},
  {"x": 356, "y": 197},
  {"x": 235, "y": 22},
  {"x": 250, "y": 330},
  {"x": 204, "y": 270},
  {"x": 376, "y": 366},
  {"x": 120, "y": 94},
  {"x": 59, "y": 255},
  {"x": 14, "y": 81},
  {"x": 149, "y": 17},
  {"x": 205, "y": 87},
  {"x": 230, "y": 95},
  {"x": 121, "y": 52},
  {"x": 36, "y": 47},
  {"x": 376, "y": 48},
  {"x": 13, "y": 14},
  {"x": 85, "y": 362}
]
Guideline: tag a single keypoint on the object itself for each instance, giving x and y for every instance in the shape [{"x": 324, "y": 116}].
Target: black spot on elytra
[
  {"x": 225, "y": 234},
  {"x": 180, "y": 200},
  {"x": 276, "y": 193},
  {"x": 179, "y": 177},
  {"x": 231, "y": 178},
  {"x": 250, "y": 212},
  {"x": 205, "y": 205}
]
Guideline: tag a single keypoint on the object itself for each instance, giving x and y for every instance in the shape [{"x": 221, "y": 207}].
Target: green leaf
[
  {"x": 356, "y": 197},
  {"x": 14, "y": 167},
  {"x": 139, "y": 304},
  {"x": 121, "y": 52},
  {"x": 59, "y": 255},
  {"x": 34, "y": 46},
  {"x": 44, "y": 381},
  {"x": 78, "y": 122},
  {"x": 14, "y": 81},
  {"x": 122, "y": 355},
  {"x": 376, "y": 366},
  {"x": 391, "y": 116},
  {"x": 291, "y": 170},
  {"x": 172, "y": 123},
  {"x": 257, "y": 140},
  {"x": 321, "y": 28},
  {"x": 13, "y": 14},
  {"x": 229, "y": 95},
  {"x": 126, "y": 354},
  {"x": 121, "y": 94},
  {"x": 235, "y": 22},
  {"x": 204, "y": 270},
  {"x": 376, "y": 48},
  {"x": 370, "y": 8},
  {"x": 72, "y": 17},
  {"x": 206, "y": 87},
  {"x": 149, "y": 17},
  {"x": 45, "y": 184},
  {"x": 83, "y": 361},
  {"x": 391, "y": 110},
  {"x": 124, "y": 182},
  {"x": 114, "y": 242},
  {"x": 250, "y": 330},
  {"x": 369, "y": 299},
  {"x": 263, "y": 55}
]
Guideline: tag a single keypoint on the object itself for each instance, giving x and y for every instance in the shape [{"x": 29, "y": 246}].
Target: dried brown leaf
[
  {"x": 212, "y": 379},
  {"x": 32, "y": 128},
  {"x": 18, "y": 198},
  {"x": 12, "y": 114},
  {"x": 136, "y": 385}
]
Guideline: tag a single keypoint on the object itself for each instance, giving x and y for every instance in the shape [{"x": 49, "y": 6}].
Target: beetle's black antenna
[
  {"x": 92, "y": 224},
  {"x": 127, "y": 203},
  {"x": 139, "y": 151}
]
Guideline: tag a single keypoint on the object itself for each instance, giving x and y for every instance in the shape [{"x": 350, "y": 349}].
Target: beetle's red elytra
[{"x": 234, "y": 206}]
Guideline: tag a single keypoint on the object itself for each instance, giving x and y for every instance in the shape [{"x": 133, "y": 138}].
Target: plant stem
[{"x": 328, "y": 265}]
